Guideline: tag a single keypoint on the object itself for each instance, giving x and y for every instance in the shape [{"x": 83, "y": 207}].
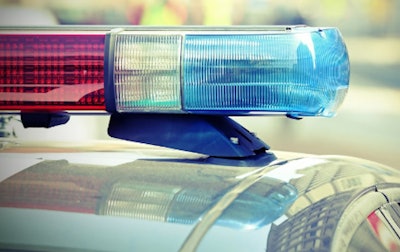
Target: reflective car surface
[{"x": 120, "y": 196}]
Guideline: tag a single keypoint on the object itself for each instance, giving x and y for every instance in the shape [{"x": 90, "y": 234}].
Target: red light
[{"x": 52, "y": 72}]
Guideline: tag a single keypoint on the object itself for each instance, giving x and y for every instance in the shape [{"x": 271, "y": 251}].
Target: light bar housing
[{"x": 237, "y": 70}]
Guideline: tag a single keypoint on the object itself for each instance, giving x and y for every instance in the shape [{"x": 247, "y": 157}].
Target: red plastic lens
[{"x": 52, "y": 72}]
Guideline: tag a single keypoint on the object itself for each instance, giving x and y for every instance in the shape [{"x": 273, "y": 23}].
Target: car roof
[{"x": 123, "y": 196}]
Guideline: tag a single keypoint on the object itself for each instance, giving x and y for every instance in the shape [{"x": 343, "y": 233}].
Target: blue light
[{"x": 302, "y": 73}]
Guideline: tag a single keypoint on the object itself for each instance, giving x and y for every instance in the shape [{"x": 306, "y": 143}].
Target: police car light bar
[
  {"x": 175, "y": 86},
  {"x": 295, "y": 71}
]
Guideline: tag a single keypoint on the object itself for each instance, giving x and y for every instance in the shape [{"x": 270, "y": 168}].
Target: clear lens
[{"x": 147, "y": 72}]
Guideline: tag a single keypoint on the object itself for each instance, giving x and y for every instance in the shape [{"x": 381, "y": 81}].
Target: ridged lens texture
[
  {"x": 52, "y": 71},
  {"x": 147, "y": 72},
  {"x": 139, "y": 200},
  {"x": 299, "y": 73}
]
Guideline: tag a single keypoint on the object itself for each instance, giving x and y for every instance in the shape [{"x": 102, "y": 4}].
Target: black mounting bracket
[{"x": 215, "y": 136}]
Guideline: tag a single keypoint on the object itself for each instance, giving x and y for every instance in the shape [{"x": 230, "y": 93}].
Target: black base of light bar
[
  {"x": 215, "y": 136},
  {"x": 43, "y": 119}
]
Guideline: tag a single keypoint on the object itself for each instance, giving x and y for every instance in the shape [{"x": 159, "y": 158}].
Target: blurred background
[{"x": 367, "y": 124}]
